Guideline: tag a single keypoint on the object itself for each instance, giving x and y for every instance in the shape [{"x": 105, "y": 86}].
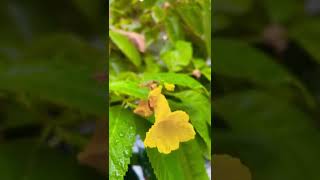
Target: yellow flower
[
  {"x": 170, "y": 128},
  {"x": 169, "y": 87}
]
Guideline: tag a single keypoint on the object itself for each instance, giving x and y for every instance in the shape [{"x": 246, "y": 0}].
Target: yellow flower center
[{"x": 169, "y": 87}]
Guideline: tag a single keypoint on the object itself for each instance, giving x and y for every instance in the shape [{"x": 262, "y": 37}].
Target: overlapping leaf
[
  {"x": 128, "y": 88},
  {"x": 126, "y": 46}
]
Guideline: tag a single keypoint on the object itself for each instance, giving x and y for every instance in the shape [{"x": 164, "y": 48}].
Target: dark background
[
  {"x": 53, "y": 89},
  {"x": 266, "y": 103}
]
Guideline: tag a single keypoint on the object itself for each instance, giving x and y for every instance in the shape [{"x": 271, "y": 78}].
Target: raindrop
[
  {"x": 117, "y": 174},
  {"x": 122, "y": 163}
]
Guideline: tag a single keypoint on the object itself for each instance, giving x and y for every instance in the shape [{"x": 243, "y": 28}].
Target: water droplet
[
  {"x": 121, "y": 163},
  {"x": 117, "y": 173}
]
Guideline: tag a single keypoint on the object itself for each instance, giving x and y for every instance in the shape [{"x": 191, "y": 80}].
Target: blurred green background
[
  {"x": 53, "y": 90},
  {"x": 266, "y": 69}
]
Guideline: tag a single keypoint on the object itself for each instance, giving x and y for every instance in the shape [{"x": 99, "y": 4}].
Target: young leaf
[
  {"x": 122, "y": 135},
  {"x": 126, "y": 46},
  {"x": 178, "y": 57}
]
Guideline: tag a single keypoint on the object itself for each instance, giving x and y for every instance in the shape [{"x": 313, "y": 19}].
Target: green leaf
[
  {"x": 196, "y": 100},
  {"x": 148, "y": 3},
  {"x": 196, "y": 16},
  {"x": 206, "y": 72},
  {"x": 151, "y": 65},
  {"x": 306, "y": 34},
  {"x": 27, "y": 160},
  {"x": 186, "y": 163},
  {"x": 126, "y": 46},
  {"x": 273, "y": 137},
  {"x": 178, "y": 57},
  {"x": 128, "y": 88},
  {"x": 199, "y": 63},
  {"x": 158, "y": 14},
  {"x": 190, "y": 13},
  {"x": 174, "y": 78},
  {"x": 173, "y": 27},
  {"x": 57, "y": 82},
  {"x": 199, "y": 109},
  {"x": 118, "y": 66},
  {"x": 206, "y": 16},
  {"x": 203, "y": 67},
  {"x": 122, "y": 136}
]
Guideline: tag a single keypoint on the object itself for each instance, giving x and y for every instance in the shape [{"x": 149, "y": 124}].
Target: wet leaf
[
  {"x": 187, "y": 162},
  {"x": 122, "y": 135}
]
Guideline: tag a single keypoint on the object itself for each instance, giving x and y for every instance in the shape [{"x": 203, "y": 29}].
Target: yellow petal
[
  {"x": 155, "y": 92},
  {"x": 167, "y": 133},
  {"x": 161, "y": 108},
  {"x": 169, "y": 87}
]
